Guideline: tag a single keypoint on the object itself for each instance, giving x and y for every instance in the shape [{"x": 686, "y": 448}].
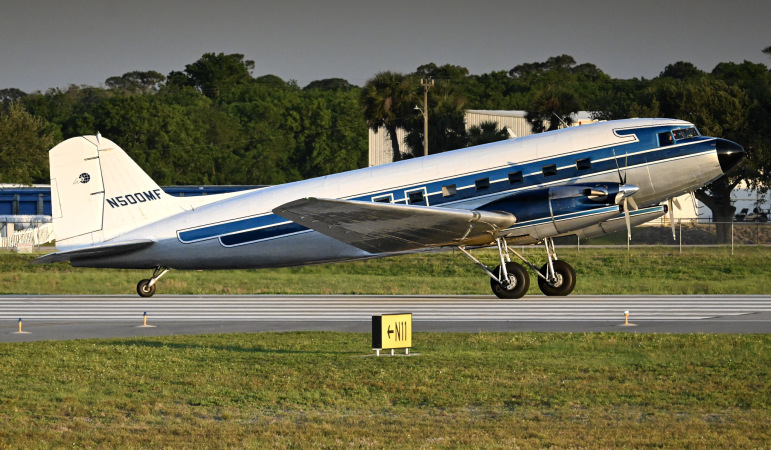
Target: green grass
[
  {"x": 317, "y": 389},
  {"x": 644, "y": 270}
]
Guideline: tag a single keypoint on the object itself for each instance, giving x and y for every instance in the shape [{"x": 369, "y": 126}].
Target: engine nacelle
[{"x": 561, "y": 209}]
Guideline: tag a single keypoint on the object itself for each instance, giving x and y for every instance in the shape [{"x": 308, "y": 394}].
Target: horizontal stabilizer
[
  {"x": 386, "y": 227},
  {"x": 96, "y": 251}
]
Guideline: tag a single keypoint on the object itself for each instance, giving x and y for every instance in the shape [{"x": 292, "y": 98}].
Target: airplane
[{"x": 587, "y": 181}]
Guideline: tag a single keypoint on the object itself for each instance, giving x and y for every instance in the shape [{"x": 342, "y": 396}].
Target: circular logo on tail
[{"x": 84, "y": 178}]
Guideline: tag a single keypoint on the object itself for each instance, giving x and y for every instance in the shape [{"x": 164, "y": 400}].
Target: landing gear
[
  {"x": 146, "y": 288},
  {"x": 510, "y": 280},
  {"x": 561, "y": 283},
  {"x": 556, "y": 278},
  {"x": 515, "y": 285}
]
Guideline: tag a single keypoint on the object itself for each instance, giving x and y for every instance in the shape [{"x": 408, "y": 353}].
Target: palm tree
[
  {"x": 388, "y": 98},
  {"x": 484, "y": 133},
  {"x": 446, "y": 122}
]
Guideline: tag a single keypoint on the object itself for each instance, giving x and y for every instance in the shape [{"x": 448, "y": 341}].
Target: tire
[
  {"x": 565, "y": 283},
  {"x": 144, "y": 290},
  {"x": 519, "y": 282}
]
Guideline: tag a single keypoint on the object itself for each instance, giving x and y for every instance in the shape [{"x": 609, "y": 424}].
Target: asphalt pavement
[{"x": 84, "y": 317}]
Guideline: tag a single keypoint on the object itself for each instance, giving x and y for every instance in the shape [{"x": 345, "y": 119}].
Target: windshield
[{"x": 685, "y": 133}]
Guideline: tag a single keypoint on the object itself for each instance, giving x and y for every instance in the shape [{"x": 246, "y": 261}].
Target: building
[{"x": 381, "y": 151}]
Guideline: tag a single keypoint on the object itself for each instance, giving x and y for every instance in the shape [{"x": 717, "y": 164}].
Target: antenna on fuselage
[{"x": 560, "y": 119}]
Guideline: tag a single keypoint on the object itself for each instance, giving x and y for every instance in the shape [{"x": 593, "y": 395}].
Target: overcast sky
[{"x": 46, "y": 44}]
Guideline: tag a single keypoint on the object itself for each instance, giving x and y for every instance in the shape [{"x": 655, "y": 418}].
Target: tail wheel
[
  {"x": 564, "y": 282},
  {"x": 517, "y": 284},
  {"x": 144, "y": 289}
]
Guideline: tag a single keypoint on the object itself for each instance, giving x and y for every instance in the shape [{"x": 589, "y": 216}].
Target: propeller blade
[
  {"x": 633, "y": 203},
  {"x": 621, "y": 179},
  {"x": 672, "y": 218},
  {"x": 626, "y": 218}
]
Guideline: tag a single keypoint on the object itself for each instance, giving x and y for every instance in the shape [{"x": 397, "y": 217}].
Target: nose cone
[
  {"x": 729, "y": 154},
  {"x": 624, "y": 191}
]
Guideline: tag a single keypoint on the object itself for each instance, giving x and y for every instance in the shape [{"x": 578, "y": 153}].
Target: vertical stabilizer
[{"x": 98, "y": 192}]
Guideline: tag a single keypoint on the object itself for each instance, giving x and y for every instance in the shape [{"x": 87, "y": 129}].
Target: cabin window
[
  {"x": 515, "y": 177},
  {"x": 416, "y": 196},
  {"x": 550, "y": 170},
  {"x": 665, "y": 139},
  {"x": 482, "y": 183},
  {"x": 584, "y": 164},
  {"x": 449, "y": 190},
  {"x": 384, "y": 199}
]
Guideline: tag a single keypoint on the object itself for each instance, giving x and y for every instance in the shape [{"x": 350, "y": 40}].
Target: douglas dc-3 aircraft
[{"x": 586, "y": 180}]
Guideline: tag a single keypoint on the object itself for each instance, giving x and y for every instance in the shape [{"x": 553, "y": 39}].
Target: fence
[
  {"x": 23, "y": 233},
  {"x": 687, "y": 233}
]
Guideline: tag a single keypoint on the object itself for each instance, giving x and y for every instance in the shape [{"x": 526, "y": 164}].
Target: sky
[{"x": 47, "y": 44}]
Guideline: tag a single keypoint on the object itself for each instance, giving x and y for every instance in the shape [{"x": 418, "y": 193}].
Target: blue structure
[{"x": 36, "y": 200}]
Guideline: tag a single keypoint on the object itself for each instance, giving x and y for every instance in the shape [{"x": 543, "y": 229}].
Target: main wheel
[
  {"x": 518, "y": 282},
  {"x": 565, "y": 280},
  {"x": 144, "y": 290}
]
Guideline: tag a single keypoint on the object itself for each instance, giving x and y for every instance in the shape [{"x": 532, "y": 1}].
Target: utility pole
[{"x": 426, "y": 85}]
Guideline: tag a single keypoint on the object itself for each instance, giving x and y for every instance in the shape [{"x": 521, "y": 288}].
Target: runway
[{"x": 74, "y": 317}]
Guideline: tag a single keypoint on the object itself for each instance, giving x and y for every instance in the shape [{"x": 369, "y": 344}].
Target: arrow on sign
[{"x": 390, "y": 331}]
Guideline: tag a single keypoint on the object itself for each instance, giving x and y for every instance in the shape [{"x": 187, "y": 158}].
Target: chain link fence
[{"x": 685, "y": 233}]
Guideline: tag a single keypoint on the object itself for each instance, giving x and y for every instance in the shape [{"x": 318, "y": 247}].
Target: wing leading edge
[{"x": 386, "y": 227}]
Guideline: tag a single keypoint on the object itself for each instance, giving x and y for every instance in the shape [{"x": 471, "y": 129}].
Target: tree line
[{"x": 216, "y": 123}]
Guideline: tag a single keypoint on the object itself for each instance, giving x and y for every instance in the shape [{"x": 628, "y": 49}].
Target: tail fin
[{"x": 98, "y": 192}]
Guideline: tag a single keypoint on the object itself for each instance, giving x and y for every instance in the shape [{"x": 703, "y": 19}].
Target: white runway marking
[{"x": 362, "y": 308}]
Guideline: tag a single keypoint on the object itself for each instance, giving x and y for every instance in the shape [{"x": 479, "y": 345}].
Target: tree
[
  {"x": 562, "y": 63},
  {"x": 443, "y": 72},
  {"x": 553, "y": 107},
  {"x": 446, "y": 121},
  {"x": 330, "y": 84},
  {"x": 159, "y": 136},
  {"x": 136, "y": 82},
  {"x": 332, "y": 136},
  {"x": 11, "y": 95},
  {"x": 214, "y": 72},
  {"x": 388, "y": 99},
  {"x": 681, "y": 70},
  {"x": 485, "y": 133},
  {"x": 24, "y": 144}
]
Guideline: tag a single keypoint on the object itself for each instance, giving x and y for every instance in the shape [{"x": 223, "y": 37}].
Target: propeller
[
  {"x": 625, "y": 192},
  {"x": 672, "y": 216}
]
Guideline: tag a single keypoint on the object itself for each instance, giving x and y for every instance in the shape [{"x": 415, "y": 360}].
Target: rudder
[{"x": 98, "y": 192}]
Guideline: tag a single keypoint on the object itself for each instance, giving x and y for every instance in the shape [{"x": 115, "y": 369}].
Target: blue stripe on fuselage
[{"x": 643, "y": 151}]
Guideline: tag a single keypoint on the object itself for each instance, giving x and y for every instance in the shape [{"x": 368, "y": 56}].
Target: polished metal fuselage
[{"x": 242, "y": 232}]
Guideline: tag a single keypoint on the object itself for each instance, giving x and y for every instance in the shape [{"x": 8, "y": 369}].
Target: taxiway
[{"x": 80, "y": 317}]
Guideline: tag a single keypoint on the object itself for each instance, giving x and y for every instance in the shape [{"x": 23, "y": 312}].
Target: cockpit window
[
  {"x": 665, "y": 139},
  {"x": 685, "y": 133}
]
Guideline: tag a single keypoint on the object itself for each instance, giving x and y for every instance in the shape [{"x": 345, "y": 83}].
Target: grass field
[
  {"x": 644, "y": 270},
  {"x": 319, "y": 389},
  {"x": 503, "y": 390}
]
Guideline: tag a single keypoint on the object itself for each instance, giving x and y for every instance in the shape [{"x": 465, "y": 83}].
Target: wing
[
  {"x": 94, "y": 251},
  {"x": 385, "y": 227}
]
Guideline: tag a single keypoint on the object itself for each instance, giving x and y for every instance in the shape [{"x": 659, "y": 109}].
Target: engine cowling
[{"x": 558, "y": 210}]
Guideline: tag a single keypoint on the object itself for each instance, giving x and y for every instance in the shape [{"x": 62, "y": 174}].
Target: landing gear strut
[
  {"x": 510, "y": 280},
  {"x": 146, "y": 288},
  {"x": 556, "y": 278}
]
